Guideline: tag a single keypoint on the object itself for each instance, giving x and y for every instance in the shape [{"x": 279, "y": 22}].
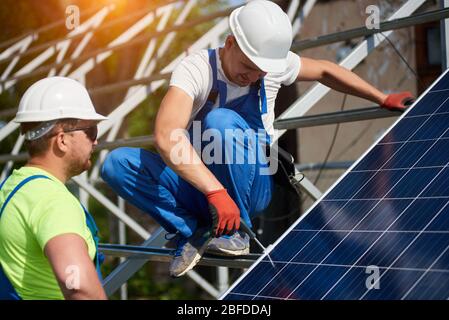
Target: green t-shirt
[{"x": 39, "y": 211}]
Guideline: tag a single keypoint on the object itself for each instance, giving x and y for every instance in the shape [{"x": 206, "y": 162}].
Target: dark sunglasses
[{"x": 91, "y": 132}]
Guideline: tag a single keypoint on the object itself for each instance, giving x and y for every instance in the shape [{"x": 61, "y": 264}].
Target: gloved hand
[
  {"x": 398, "y": 101},
  {"x": 224, "y": 211}
]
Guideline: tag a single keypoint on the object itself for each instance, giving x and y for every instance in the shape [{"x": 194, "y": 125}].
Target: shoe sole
[
  {"x": 194, "y": 262},
  {"x": 228, "y": 253},
  {"x": 189, "y": 267}
]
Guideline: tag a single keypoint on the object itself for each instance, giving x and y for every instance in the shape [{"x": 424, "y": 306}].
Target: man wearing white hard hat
[
  {"x": 48, "y": 241},
  {"x": 230, "y": 89}
]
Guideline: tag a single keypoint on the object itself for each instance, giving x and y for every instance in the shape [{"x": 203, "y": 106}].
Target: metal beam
[
  {"x": 364, "y": 31},
  {"x": 47, "y": 27},
  {"x": 110, "y": 24},
  {"x": 127, "y": 269},
  {"x": 159, "y": 254},
  {"x": 118, "y": 44},
  {"x": 335, "y": 117},
  {"x": 112, "y": 207},
  {"x": 333, "y": 165}
]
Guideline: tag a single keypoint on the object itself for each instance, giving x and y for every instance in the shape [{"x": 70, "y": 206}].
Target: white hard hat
[
  {"x": 56, "y": 98},
  {"x": 264, "y": 34}
]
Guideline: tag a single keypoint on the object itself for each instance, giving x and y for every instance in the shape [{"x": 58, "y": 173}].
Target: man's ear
[
  {"x": 60, "y": 142},
  {"x": 230, "y": 41}
]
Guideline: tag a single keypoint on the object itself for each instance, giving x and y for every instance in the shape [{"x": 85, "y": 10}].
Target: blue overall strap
[
  {"x": 1, "y": 185},
  {"x": 263, "y": 97},
  {"x": 217, "y": 85},
  {"x": 99, "y": 257},
  {"x": 213, "y": 65},
  {"x": 7, "y": 291},
  {"x": 20, "y": 185}
]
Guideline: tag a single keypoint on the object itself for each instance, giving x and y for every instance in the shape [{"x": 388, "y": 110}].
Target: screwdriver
[{"x": 244, "y": 227}]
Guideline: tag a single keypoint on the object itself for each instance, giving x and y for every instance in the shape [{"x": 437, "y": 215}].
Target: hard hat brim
[{"x": 40, "y": 116}]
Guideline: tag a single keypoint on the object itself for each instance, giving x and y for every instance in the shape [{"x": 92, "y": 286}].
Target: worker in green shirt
[{"x": 48, "y": 241}]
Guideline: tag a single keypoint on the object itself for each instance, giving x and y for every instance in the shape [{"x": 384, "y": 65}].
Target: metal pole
[
  {"x": 122, "y": 241},
  {"x": 223, "y": 279},
  {"x": 365, "y": 32},
  {"x": 445, "y": 37},
  {"x": 335, "y": 117}
]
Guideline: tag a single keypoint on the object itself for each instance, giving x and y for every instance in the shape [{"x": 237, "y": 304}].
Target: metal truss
[{"x": 144, "y": 83}]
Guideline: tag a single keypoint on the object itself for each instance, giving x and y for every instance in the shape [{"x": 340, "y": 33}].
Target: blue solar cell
[
  {"x": 352, "y": 245},
  {"x": 379, "y": 184},
  {"x": 412, "y": 183},
  {"x": 406, "y": 154},
  {"x": 353, "y": 180},
  {"x": 257, "y": 279},
  {"x": 434, "y": 128},
  {"x": 317, "y": 248},
  {"x": 336, "y": 215},
  {"x": 423, "y": 251},
  {"x": 436, "y": 156},
  {"x": 433, "y": 285},
  {"x": 286, "y": 280},
  {"x": 317, "y": 283},
  {"x": 352, "y": 286},
  {"x": 383, "y": 214},
  {"x": 430, "y": 103},
  {"x": 393, "y": 284},
  {"x": 385, "y": 248},
  {"x": 439, "y": 186},
  {"x": 440, "y": 222},
  {"x": 416, "y": 217},
  {"x": 376, "y": 157},
  {"x": 403, "y": 130},
  {"x": 390, "y": 214},
  {"x": 284, "y": 252}
]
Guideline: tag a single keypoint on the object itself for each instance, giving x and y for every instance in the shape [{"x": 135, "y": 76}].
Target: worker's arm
[
  {"x": 346, "y": 81},
  {"x": 178, "y": 153},
  {"x": 338, "y": 78},
  {"x": 73, "y": 268},
  {"x": 176, "y": 150}
]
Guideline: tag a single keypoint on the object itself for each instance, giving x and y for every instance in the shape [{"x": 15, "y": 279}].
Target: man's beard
[{"x": 76, "y": 168}]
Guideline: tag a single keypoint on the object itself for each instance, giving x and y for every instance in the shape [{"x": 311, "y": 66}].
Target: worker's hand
[
  {"x": 224, "y": 211},
  {"x": 398, "y": 101}
]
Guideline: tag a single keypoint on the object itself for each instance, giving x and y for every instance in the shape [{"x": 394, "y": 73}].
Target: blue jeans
[{"x": 142, "y": 178}]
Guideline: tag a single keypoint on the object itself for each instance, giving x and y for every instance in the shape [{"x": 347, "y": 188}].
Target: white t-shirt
[{"x": 194, "y": 76}]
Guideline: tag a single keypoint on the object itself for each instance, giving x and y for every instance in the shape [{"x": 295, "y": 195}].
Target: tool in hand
[{"x": 244, "y": 227}]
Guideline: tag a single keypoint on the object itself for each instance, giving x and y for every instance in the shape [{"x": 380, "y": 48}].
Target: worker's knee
[
  {"x": 222, "y": 119},
  {"x": 114, "y": 164}
]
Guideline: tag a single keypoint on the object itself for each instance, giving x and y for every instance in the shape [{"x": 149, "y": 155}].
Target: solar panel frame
[{"x": 411, "y": 117}]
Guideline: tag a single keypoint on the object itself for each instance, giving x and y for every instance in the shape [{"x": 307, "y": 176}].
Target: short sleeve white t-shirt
[{"x": 194, "y": 76}]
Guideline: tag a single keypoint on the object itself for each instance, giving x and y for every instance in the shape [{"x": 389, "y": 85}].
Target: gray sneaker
[
  {"x": 189, "y": 252},
  {"x": 235, "y": 245}
]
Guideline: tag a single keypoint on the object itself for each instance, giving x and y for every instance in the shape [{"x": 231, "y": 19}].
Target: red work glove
[
  {"x": 224, "y": 211},
  {"x": 398, "y": 101}
]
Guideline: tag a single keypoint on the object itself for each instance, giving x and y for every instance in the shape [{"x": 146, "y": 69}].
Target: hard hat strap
[{"x": 41, "y": 130}]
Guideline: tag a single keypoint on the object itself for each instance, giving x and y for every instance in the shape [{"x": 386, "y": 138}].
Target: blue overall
[
  {"x": 7, "y": 291},
  {"x": 142, "y": 178}
]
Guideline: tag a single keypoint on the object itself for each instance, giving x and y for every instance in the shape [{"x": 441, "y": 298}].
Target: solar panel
[{"x": 382, "y": 230}]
